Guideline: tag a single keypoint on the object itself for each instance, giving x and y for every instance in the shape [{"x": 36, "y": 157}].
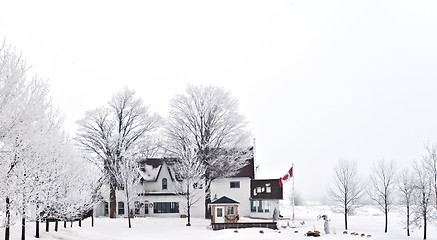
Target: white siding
[
  {"x": 221, "y": 187},
  {"x": 274, "y": 203},
  {"x": 156, "y": 187}
]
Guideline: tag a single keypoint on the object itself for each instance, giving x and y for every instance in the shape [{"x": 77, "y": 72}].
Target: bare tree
[
  {"x": 430, "y": 162},
  {"x": 424, "y": 193},
  {"x": 406, "y": 188},
  {"x": 107, "y": 133},
  {"x": 382, "y": 186},
  {"x": 208, "y": 117},
  {"x": 189, "y": 176},
  {"x": 128, "y": 177},
  {"x": 347, "y": 188}
]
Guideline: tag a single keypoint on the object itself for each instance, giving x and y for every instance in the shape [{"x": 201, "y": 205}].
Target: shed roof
[{"x": 224, "y": 200}]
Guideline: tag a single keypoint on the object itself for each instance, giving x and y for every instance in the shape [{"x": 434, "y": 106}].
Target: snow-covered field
[{"x": 367, "y": 220}]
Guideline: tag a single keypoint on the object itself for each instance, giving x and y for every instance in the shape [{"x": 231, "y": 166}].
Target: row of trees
[
  {"x": 46, "y": 177},
  {"x": 415, "y": 187},
  {"x": 43, "y": 176}
]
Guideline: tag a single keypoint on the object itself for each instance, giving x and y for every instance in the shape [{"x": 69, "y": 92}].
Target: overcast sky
[{"x": 317, "y": 80}]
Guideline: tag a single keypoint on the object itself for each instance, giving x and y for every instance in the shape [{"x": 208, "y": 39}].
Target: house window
[
  {"x": 260, "y": 206},
  {"x": 235, "y": 184},
  {"x": 258, "y": 189},
  {"x": 254, "y": 192},
  {"x": 106, "y": 208},
  {"x": 120, "y": 208},
  {"x": 268, "y": 189},
  {"x": 229, "y": 210},
  {"x": 253, "y": 205},
  {"x": 266, "y": 205},
  {"x": 164, "y": 184},
  {"x": 166, "y": 207}
]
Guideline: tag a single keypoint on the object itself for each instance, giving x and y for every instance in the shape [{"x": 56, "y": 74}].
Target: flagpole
[{"x": 292, "y": 189}]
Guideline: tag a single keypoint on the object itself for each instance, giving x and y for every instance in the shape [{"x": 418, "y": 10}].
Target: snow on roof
[{"x": 150, "y": 173}]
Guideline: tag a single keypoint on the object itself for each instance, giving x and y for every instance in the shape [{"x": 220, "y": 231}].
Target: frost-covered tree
[
  {"x": 34, "y": 151},
  {"x": 347, "y": 188},
  {"x": 430, "y": 162},
  {"x": 79, "y": 189},
  {"x": 424, "y": 195},
  {"x": 189, "y": 177},
  {"x": 209, "y": 118},
  {"x": 25, "y": 111},
  {"x": 382, "y": 186},
  {"x": 12, "y": 119},
  {"x": 128, "y": 177},
  {"x": 107, "y": 133},
  {"x": 406, "y": 189}
]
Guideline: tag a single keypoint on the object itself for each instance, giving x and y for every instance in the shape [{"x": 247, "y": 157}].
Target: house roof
[
  {"x": 248, "y": 170},
  {"x": 150, "y": 168},
  {"x": 224, "y": 200},
  {"x": 276, "y": 191}
]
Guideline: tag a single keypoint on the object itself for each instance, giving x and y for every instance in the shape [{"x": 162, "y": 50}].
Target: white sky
[{"x": 318, "y": 80}]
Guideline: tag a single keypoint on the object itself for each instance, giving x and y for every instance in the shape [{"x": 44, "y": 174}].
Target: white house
[
  {"x": 156, "y": 194},
  {"x": 258, "y": 198}
]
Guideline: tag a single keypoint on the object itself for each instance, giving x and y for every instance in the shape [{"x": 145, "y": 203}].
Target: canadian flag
[{"x": 286, "y": 177}]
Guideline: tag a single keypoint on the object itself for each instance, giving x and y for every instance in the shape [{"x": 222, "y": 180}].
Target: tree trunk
[
  {"x": 112, "y": 201},
  {"x": 23, "y": 228},
  {"x": 71, "y": 223},
  {"x": 386, "y": 220},
  {"x": 56, "y": 225},
  {"x": 424, "y": 225},
  {"x": 408, "y": 219},
  {"x": 65, "y": 224},
  {"x": 47, "y": 225},
  {"x": 207, "y": 199},
  {"x": 37, "y": 227},
  {"x": 37, "y": 217},
  {"x": 345, "y": 217},
  {"x": 8, "y": 219},
  {"x": 189, "y": 216},
  {"x": 92, "y": 220},
  {"x": 80, "y": 222},
  {"x": 188, "y": 206},
  {"x": 128, "y": 215}
]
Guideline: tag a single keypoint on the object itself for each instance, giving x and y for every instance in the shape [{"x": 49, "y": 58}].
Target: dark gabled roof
[
  {"x": 150, "y": 168},
  {"x": 247, "y": 171},
  {"x": 276, "y": 189},
  {"x": 154, "y": 162},
  {"x": 224, "y": 200}
]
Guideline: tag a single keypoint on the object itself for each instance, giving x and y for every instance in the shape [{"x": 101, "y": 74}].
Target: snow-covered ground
[{"x": 367, "y": 220}]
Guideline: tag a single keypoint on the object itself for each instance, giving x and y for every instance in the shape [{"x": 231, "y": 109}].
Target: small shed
[{"x": 224, "y": 210}]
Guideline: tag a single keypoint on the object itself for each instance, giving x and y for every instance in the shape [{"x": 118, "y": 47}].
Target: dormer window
[{"x": 164, "y": 184}]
